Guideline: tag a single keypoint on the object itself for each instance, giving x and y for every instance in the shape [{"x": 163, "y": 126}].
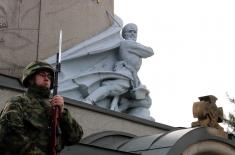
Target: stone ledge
[{"x": 14, "y": 84}]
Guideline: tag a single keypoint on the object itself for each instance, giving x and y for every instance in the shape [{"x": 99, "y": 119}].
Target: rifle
[{"x": 55, "y": 109}]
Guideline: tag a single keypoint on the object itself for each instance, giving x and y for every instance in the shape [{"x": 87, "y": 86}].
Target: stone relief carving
[
  {"x": 9, "y": 13},
  {"x": 3, "y": 22},
  {"x": 14, "y": 39},
  {"x": 103, "y": 71},
  {"x": 11, "y": 37}
]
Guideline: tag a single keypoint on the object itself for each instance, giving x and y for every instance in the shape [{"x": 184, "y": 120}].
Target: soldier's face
[{"x": 43, "y": 79}]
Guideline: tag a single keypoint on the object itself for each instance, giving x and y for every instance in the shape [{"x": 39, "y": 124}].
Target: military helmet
[{"x": 35, "y": 67}]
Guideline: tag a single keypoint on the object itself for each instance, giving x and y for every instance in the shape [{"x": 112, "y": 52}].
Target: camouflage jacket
[{"x": 25, "y": 127}]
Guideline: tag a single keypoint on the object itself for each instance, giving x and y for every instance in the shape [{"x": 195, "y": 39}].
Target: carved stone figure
[
  {"x": 208, "y": 114},
  {"x": 129, "y": 95},
  {"x": 103, "y": 71}
]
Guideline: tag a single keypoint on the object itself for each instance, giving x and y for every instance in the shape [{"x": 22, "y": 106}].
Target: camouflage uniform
[{"x": 25, "y": 125}]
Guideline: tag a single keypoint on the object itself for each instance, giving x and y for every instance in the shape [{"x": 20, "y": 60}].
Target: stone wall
[
  {"x": 95, "y": 122},
  {"x": 25, "y": 23},
  {"x": 94, "y": 119}
]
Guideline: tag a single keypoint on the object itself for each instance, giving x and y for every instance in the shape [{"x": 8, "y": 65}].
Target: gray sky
[{"x": 194, "y": 45}]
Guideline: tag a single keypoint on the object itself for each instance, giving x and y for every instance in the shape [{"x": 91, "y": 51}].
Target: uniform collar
[{"x": 39, "y": 92}]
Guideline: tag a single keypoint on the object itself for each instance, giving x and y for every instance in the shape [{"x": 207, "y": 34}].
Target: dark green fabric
[{"x": 25, "y": 126}]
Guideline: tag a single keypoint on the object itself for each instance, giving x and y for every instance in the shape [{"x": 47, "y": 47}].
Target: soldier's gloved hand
[{"x": 58, "y": 100}]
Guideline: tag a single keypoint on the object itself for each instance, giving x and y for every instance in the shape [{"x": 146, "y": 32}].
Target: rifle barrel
[{"x": 56, "y": 110}]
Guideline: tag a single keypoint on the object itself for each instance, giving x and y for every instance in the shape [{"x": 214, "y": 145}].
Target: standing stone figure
[{"x": 129, "y": 95}]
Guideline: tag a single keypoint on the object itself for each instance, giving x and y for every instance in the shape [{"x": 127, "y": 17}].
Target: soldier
[{"x": 25, "y": 120}]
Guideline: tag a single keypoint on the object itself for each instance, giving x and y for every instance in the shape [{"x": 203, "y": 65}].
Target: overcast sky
[{"x": 194, "y": 45}]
